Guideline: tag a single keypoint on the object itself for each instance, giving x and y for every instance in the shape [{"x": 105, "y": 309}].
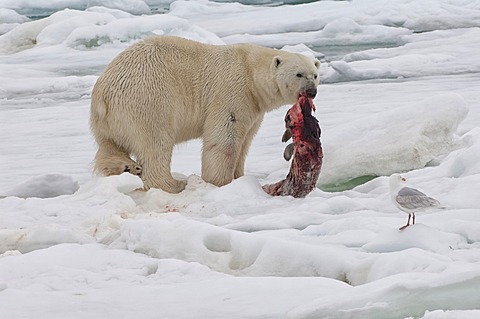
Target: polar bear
[{"x": 165, "y": 90}]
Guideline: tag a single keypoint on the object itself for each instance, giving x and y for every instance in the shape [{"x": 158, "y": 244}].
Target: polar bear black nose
[{"x": 312, "y": 92}]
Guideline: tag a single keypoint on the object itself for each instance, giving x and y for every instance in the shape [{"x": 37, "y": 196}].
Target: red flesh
[{"x": 308, "y": 155}]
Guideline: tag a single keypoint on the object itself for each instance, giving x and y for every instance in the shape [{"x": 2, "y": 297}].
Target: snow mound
[
  {"x": 384, "y": 300},
  {"x": 413, "y": 59},
  {"x": 96, "y": 27},
  {"x": 47, "y": 7},
  {"x": 123, "y": 183},
  {"x": 45, "y": 186},
  {"x": 227, "y": 251},
  {"x": 452, "y": 314},
  {"x": 415, "y": 135},
  {"x": 27, "y": 240},
  {"x": 303, "y": 49},
  {"x": 418, "y": 236},
  {"x": 98, "y": 263},
  {"x": 345, "y": 72},
  {"x": 9, "y": 19},
  {"x": 339, "y": 32},
  {"x": 11, "y": 16}
]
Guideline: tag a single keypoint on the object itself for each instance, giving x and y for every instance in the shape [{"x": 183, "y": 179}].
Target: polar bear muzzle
[{"x": 311, "y": 93}]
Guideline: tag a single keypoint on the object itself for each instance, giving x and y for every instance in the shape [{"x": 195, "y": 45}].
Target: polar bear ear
[
  {"x": 317, "y": 63},
  {"x": 276, "y": 61}
]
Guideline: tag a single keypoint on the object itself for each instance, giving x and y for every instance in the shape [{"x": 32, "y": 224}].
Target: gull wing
[{"x": 411, "y": 198}]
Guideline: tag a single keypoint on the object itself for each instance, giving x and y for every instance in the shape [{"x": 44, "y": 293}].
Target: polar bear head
[{"x": 294, "y": 74}]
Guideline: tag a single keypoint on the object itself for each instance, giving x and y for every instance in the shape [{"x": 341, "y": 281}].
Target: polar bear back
[{"x": 189, "y": 75}]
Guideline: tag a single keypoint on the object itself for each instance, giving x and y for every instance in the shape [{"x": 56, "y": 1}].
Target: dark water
[{"x": 340, "y": 187}]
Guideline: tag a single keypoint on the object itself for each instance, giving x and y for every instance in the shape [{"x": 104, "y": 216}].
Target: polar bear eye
[
  {"x": 299, "y": 75},
  {"x": 315, "y": 76}
]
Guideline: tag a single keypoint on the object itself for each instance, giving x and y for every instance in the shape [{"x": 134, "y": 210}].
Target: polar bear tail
[{"x": 98, "y": 109}]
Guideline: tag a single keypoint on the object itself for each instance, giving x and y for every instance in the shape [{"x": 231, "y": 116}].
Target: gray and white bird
[{"x": 410, "y": 200}]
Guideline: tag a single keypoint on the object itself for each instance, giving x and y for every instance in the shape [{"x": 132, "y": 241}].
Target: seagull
[{"x": 410, "y": 200}]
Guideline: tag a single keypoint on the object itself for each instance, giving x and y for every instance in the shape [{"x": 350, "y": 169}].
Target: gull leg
[
  {"x": 413, "y": 218},
  {"x": 408, "y": 222}
]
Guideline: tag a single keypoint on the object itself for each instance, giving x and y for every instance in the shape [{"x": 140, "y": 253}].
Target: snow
[
  {"x": 411, "y": 137},
  {"x": 95, "y": 27},
  {"x": 10, "y": 19},
  {"x": 399, "y": 94},
  {"x": 45, "y": 186},
  {"x": 44, "y": 7}
]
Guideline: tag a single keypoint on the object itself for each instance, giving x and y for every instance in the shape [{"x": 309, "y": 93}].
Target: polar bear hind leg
[{"x": 113, "y": 160}]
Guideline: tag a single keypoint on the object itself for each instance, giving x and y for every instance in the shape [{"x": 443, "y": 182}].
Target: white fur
[{"x": 167, "y": 90}]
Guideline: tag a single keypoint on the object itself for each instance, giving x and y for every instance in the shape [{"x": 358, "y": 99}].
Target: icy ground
[{"x": 74, "y": 246}]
